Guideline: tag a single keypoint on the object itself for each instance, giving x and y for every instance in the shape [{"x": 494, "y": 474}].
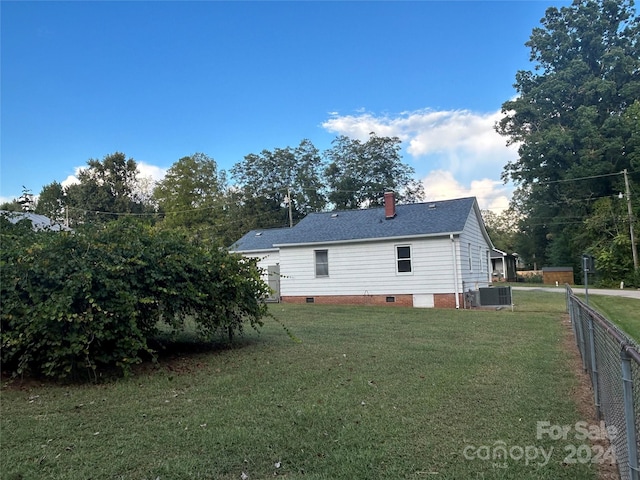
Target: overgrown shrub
[{"x": 73, "y": 303}]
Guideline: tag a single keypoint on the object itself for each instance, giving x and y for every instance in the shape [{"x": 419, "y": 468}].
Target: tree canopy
[
  {"x": 273, "y": 188},
  {"x": 51, "y": 202},
  {"x": 192, "y": 192},
  {"x": 106, "y": 189},
  {"x": 269, "y": 180},
  {"x": 358, "y": 173},
  {"x": 575, "y": 120}
]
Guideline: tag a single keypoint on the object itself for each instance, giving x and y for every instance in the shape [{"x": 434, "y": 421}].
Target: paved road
[{"x": 592, "y": 291}]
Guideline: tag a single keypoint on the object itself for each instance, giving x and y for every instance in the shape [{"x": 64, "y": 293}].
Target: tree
[
  {"x": 358, "y": 173},
  {"x": 631, "y": 126},
  {"x": 573, "y": 119},
  {"x": 502, "y": 229},
  {"x": 107, "y": 189},
  {"x": 191, "y": 195},
  {"x": 51, "y": 202},
  {"x": 268, "y": 181},
  {"x": 26, "y": 200},
  {"x": 607, "y": 232},
  {"x": 12, "y": 206}
]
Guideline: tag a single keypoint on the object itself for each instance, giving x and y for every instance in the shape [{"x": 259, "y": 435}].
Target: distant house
[
  {"x": 38, "y": 222},
  {"x": 421, "y": 255},
  {"x": 503, "y": 266}
]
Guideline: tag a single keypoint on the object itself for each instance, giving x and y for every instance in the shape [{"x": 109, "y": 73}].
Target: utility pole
[
  {"x": 587, "y": 261},
  {"x": 291, "y": 211},
  {"x": 634, "y": 249}
]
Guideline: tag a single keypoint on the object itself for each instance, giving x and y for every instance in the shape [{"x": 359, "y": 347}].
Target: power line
[{"x": 591, "y": 177}]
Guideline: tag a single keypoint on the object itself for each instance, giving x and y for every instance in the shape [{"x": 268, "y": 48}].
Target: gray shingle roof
[
  {"x": 261, "y": 239},
  {"x": 39, "y": 222},
  {"x": 418, "y": 219}
]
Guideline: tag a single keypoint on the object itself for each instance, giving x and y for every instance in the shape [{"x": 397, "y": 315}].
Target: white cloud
[
  {"x": 456, "y": 137},
  {"x": 148, "y": 176},
  {"x": 72, "y": 179},
  {"x": 459, "y": 148},
  {"x": 151, "y": 171},
  {"x": 491, "y": 195}
]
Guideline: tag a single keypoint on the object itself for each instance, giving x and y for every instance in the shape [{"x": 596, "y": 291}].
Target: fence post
[
  {"x": 629, "y": 416},
  {"x": 581, "y": 335},
  {"x": 594, "y": 369}
]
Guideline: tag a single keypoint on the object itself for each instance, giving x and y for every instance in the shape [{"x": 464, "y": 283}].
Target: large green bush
[{"x": 74, "y": 303}]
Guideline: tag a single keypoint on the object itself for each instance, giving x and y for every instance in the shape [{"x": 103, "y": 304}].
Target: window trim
[
  {"x": 404, "y": 259},
  {"x": 317, "y": 264}
]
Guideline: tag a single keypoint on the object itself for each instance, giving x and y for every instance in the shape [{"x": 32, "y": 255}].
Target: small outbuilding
[{"x": 559, "y": 275}]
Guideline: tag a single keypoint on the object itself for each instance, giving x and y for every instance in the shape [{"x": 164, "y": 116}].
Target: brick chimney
[{"x": 389, "y": 205}]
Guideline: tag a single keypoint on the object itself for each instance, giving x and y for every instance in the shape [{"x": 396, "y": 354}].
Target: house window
[
  {"x": 470, "y": 258},
  {"x": 403, "y": 258},
  {"x": 322, "y": 263}
]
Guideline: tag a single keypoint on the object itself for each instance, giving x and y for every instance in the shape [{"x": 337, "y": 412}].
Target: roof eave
[
  {"x": 253, "y": 250},
  {"x": 368, "y": 240}
]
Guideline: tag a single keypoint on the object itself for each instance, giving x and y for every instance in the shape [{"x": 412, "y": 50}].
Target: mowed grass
[
  {"x": 625, "y": 312},
  {"x": 367, "y": 393}
]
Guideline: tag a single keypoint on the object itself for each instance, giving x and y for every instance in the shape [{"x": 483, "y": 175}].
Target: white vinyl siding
[
  {"x": 477, "y": 275},
  {"x": 369, "y": 268},
  {"x": 265, "y": 260}
]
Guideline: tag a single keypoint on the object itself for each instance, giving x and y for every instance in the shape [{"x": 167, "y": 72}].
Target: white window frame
[
  {"x": 324, "y": 264},
  {"x": 403, "y": 259}
]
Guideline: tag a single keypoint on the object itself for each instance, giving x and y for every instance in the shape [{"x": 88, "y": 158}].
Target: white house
[
  {"x": 421, "y": 255},
  {"x": 503, "y": 265}
]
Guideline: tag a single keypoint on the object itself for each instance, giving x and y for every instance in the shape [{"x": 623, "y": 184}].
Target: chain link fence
[{"x": 612, "y": 360}]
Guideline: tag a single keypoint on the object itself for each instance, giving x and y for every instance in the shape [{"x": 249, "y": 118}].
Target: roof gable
[{"x": 418, "y": 219}]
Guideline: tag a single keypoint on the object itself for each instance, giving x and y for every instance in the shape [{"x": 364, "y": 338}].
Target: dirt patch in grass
[{"x": 584, "y": 397}]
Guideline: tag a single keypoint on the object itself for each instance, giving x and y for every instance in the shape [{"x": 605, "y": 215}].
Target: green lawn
[
  {"x": 368, "y": 393},
  {"x": 625, "y": 312}
]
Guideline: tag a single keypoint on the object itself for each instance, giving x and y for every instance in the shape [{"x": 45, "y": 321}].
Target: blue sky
[{"x": 160, "y": 80}]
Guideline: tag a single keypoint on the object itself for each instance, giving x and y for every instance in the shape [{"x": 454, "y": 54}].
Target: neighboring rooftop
[{"x": 39, "y": 222}]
